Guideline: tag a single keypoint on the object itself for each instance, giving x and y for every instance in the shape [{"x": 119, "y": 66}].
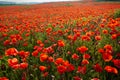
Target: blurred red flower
[
  {"x": 42, "y": 68},
  {"x": 35, "y": 53},
  {"x": 77, "y": 78},
  {"x": 116, "y": 62},
  {"x": 98, "y": 68},
  {"x": 61, "y": 69},
  {"x": 75, "y": 56},
  {"x": 43, "y": 57},
  {"x": 97, "y": 37},
  {"x": 111, "y": 69},
  {"x": 82, "y": 49},
  {"x": 86, "y": 56},
  {"x": 107, "y": 46},
  {"x": 85, "y": 62},
  {"x": 4, "y": 78},
  {"x": 12, "y": 62},
  {"x": 23, "y": 65},
  {"x": 61, "y": 43},
  {"x": 81, "y": 69},
  {"x": 107, "y": 57},
  {"x": 59, "y": 61},
  {"x": 11, "y": 51}
]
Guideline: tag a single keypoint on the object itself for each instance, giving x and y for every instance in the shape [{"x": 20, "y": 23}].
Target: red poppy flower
[
  {"x": 117, "y": 62},
  {"x": 77, "y": 78},
  {"x": 43, "y": 57},
  {"x": 97, "y": 68},
  {"x": 61, "y": 43},
  {"x": 23, "y": 54},
  {"x": 70, "y": 68},
  {"x": 11, "y": 51},
  {"x": 4, "y": 78},
  {"x": 85, "y": 62},
  {"x": 45, "y": 74},
  {"x": 114, "y": 36},
  {"x": 82, "y": 49},
  {"x": 85, "y": 38},
  {"x": 101, "y": 51},
  {"x": 75, "y": 56},
  {"x": 23, "y": 65},
  {"x": 111, "y": 69},
  {"x": 6, "y": 42},
  {"x": 105, "y": 31},
  {"x": 59, "y": 61},
  {"x": 42, "y": 68},
  {"x": 16, "y": 66},
  {"x": 82, "y": 69},
  {"x": 107, "y": 57},
  {"x": 86, "y": 56},
  {"x": 97, "y": 37},
  {"x": 61, "y": 69},
  {"x": 35, "y": 53},
  {"x": 107, "y": 46},
  {"x": 50, "y": 59},
  {"x": 12, "y": 62}
]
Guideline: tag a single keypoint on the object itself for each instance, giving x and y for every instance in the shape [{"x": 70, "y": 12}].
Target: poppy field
[{"x": 60, "y": 41}]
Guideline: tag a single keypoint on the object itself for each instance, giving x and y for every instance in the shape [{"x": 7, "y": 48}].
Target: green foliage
[
  {"x": 117, "y": 13},
  {"x": 68, "y": 4}
]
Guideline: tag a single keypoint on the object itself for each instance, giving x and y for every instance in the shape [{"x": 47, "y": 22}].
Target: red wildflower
[
  {"x": 107, "y": 57},
  {"x": 117, "y": 62},
  {"x": 102, "y": 25},
  {"x": 14, "y": 40},
  {"x": 23, "y": 65},
  {"x": 42, "y": 68},
  {"x": 61, "y": 69},
  {"x": 85, "y": 62},
  {"x": 111, "y": 69},
  {"x": 70, "y": 67},
  {"x": 82, "y": 69},
  {"x": 101, "y": 50},
  {"x": 39, "y": 42},
  {"x": 107, "y": 46},
  {"x": 75, "y": 56},
  {"x": 35, "y": 53},
  {"x": 61, "y": 43},
  {"x": 114, "y": 36},
  {"x": 85, "y": 38},
  {"x": 45, "y": 74},
  {"x": 50, "y": 59},
  {"x": 59, "y": 61},
  {"x": 82, "y": 49},
  {"x": 66, "y": 63},
  {"x": 86, "y": 56},
  {"x": 77, "y": 78},
  {"x": 97, "y": 37},
  {"x": 6, "y": 42},
  {"x": 97, "y": 67},
  {"x": 12, "y": 62},
  {"x": 70, "y": 37},
  {"x": 11, "y": 51},
  {"x": 105, "y": 31},
  {"x": 16, "y": 66},
  {"x": 4, "y": 78},
  {"x": 23, "y": 54},
  {"x": 43, "y": 57}
]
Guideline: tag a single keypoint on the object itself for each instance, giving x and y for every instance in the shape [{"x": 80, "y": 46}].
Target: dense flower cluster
[{"x": 60, "y": 41}]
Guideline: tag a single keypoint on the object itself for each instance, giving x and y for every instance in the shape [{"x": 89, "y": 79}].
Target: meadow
[{"x": 60, "y": 41}]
